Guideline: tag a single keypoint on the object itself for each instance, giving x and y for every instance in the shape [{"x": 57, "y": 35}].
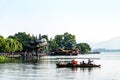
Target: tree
[
  {"x": 53, "y": 45},
  {"x": 18, "y": 46},
  {"x": 59, "y": 41},
  {"x": 2, "y": 42},
  {"x": 12, "y": 45},
  {"x": 83, "y": 47},
  {"x": 66, "y": 41},
  {"x": 69, "y": 41},
  {"x": 24, "y": 39}
]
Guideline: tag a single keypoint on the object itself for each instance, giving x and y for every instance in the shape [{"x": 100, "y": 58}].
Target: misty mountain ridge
[{"x": 109, "y": 44}]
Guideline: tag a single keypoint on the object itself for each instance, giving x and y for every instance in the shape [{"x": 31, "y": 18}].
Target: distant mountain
[
  {"x": 105, "y": 50},
  {"x": 113, "y": 43}
]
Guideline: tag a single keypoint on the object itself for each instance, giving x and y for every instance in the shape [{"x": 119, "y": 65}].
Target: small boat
[{"x": 77, "y": 65}]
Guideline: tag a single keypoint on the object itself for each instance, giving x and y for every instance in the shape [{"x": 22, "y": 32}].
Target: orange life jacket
[{"x": 75, "y": 62}]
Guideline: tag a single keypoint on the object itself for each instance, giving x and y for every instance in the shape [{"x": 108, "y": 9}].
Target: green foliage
[
  {"x": 69, "y": 41},
  {"x": 42, "y": 47},
  {"x": 2, "y": 42},
  {"x": 20, "y": 41},
  {"x": 9, "y": 44},
  {"x": 12, "y": 45},
  {"x": 83, "y": 47},
  {"x": 4, "y": 59},
  {"x": 24, "y": 39},
  {"x": 59, "y": 41},
  {"x": 66, "y": 41},
  {"x": 53, "y": 45}
]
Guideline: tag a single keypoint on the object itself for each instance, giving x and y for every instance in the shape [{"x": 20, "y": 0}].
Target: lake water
[{"x": 46, "y": 69}]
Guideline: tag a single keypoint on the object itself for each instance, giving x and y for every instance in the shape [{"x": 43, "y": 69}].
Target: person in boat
[
  {"x": 59, "y": 61},
  {"x": 71, "y": 62},
  {"x": 83, "y": 62},
  {"x": 75, "y": 62},
  {"x": 90, "y": 61}
]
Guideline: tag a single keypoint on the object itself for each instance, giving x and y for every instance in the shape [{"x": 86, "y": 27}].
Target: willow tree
[{"x": 12, "y": 45}]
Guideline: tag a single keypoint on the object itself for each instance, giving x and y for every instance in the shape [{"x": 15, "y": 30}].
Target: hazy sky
[{"x": 89, "y": 20}]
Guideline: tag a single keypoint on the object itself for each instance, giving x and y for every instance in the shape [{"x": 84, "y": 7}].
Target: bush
[{"x": 4, "y": 59}]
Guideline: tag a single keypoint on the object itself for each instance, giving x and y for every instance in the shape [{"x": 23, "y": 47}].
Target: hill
[{"x": 110, "y": 44}]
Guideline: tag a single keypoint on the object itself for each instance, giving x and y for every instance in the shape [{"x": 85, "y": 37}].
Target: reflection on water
[
  {"x": 88, "y": 69},
  {"x": 46, "y": 70}
]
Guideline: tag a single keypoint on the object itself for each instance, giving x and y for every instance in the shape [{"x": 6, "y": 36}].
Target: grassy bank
[{"x": 4, "y": 59}]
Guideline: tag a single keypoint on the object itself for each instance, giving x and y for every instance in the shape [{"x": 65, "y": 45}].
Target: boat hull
[{"x": 78, "y": 65}]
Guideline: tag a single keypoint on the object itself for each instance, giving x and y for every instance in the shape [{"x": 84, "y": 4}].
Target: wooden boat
[{"x": 76, "y": 65}]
